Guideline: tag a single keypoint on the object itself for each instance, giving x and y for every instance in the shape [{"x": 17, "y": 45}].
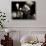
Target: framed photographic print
[{"x": 23, "y": 10}]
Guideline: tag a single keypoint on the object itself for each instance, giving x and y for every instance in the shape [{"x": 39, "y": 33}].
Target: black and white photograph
[{"x": 23, "y": 10}]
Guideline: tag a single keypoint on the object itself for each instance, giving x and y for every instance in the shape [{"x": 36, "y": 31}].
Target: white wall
[
  {"x": 5, "y": 6},
  {"x": 36, "y": 25}
]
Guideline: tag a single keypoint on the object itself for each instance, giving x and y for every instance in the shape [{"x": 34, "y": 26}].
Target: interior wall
[
  {"x": 5, "y": 6},
  {"x": 36, "y": 25}
]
